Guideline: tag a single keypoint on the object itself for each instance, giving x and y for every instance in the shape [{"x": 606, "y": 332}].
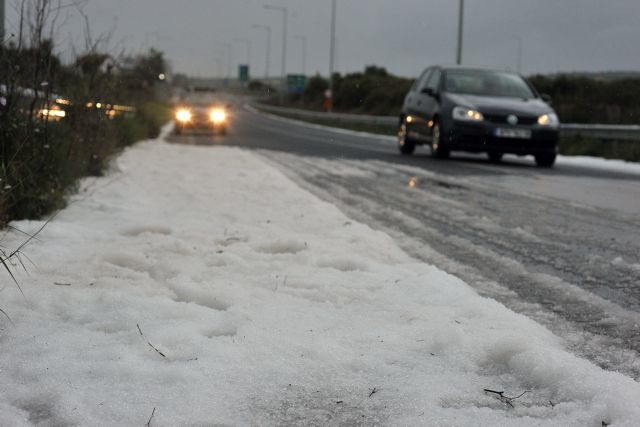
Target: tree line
[
  {"x": 61, "y": 120},
  {"x": 576, "y": 98}
]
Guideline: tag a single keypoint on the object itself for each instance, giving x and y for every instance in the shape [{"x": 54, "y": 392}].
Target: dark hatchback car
[{"x": 476, "y": 110}]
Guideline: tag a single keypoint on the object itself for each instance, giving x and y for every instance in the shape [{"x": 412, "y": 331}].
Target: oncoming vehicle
[
  {"x": 478, "y": 110},
  {"x": 209, "y": 118}
]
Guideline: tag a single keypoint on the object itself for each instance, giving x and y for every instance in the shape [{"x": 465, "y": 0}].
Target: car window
[
  {"x": 417, "y": 81},
  {"x": 434, "y": 80},
  {"x": 487, "y": 83},
  {"x": 424, "y": 79}
]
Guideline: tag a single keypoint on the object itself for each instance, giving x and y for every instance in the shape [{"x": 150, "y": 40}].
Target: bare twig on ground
[
  {"x": 4, "y": 313},
  {"x": 7, "y": 258},
  {"x": 151, "y": 417},
  {"x": 506, "y": 399},
  {"x": 150, "y": 345}
]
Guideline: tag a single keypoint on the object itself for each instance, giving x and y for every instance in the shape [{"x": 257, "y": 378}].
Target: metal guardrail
[
  {"x": 602, "y": 132},
  {"x": 595, "y": 131},
  {"x": 338, "y": 117}
]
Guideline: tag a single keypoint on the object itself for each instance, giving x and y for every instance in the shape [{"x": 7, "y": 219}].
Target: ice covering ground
[{"x": 204, "y": 284}]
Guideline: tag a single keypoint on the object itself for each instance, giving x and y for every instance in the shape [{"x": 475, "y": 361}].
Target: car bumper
[
  {"x": 194, "y": 126},
  {"x": 481, "y": 137}
]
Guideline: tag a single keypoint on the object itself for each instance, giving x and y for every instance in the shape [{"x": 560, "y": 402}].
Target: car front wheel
[
  {"x": 405, "y": 144},
  {"x": 545, "y": 160},
  {"x": 495, "y": 156},
  {"x": 438, "y": 148}
]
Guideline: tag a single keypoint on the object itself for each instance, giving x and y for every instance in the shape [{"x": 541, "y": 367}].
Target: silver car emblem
[{"x": 512, "y": 120}]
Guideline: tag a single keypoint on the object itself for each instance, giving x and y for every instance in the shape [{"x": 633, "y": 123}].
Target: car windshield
[{"x": 487, "y": 83}]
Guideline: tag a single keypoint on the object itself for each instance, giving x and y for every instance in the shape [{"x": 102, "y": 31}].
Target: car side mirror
[
  {"x": 546, "y": 98},
  {"x": 428, "y": 91}
]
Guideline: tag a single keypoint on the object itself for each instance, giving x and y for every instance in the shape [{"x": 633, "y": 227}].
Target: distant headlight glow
[
  {"x": 549, "y": 119},
  {"x": 53, "y": 113},
  {"x": 218, "y": 116},
  {"x": 183, "y": 115},
  {"x": 464, "y": 114}
]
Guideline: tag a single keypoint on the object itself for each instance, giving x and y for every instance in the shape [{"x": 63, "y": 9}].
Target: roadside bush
[
  {"x": 585, "y": 99},
  {"x": 41, "y": 159},
  {"x": 579, "y": 146},
  {"x": 374, "y": 91}
]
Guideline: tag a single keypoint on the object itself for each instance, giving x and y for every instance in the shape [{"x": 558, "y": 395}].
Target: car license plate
[{"x": 513, "y": 133}]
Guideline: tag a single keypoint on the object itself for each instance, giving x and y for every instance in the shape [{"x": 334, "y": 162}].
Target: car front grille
[{"x": 502, "y": 118}]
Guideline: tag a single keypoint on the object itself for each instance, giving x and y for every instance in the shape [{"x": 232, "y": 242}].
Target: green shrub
[{"x": 579, "y": 146}]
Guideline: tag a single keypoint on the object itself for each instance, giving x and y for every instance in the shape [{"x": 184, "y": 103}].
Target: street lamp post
[
  {"x": 219, "y": 73},
  {"x": 2, "y": 21},
  {"x": 284, "y": 47},
  {"x": 303, "y": 40},
  {"x": 332, "y": 51},
  {"x": 229, "y": 56},
  {"x": 248, "y": 44},
  {"x": 460, "y": 33},
  {"x": 268, "y": 64},
  {"x": 519, "y": 39}
]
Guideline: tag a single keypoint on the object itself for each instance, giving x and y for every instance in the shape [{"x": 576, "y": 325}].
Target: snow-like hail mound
[{"x": 200, "y": 285}]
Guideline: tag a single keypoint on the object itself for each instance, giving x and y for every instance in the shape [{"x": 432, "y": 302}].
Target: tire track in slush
[{"x": 558, "y": 270}]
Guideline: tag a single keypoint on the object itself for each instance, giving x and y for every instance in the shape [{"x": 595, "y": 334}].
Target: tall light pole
[
  {"x": 219, "y": 72},
  {"x": 268, "y": 64},
  {"x": 460, "y": 32},
  {"x": 2, "y": 21},
  {"x": 284, "y": 47},
  {"x": 519, "y": 39},
  {"x": 332, "y": 51},
  {"x": 248, "y": 44},
  {"x": 303, "y": 40},
  {"x": 229, "y": 56}
]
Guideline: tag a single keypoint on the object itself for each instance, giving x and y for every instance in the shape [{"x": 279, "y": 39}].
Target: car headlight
[
  {"x": 218, "y": 116},
  {"x": 464, "y": 114},
  {"x": 183, "y": 116},
  {"x": 549, "y": 119}
]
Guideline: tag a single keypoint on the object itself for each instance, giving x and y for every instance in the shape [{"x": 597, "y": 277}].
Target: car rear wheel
[
  {"x": 438, "y": 148},
  {"x": 545, "y": 160},
  {"x": 495, "y": 156},
  {"x": 405, "y": 144}
]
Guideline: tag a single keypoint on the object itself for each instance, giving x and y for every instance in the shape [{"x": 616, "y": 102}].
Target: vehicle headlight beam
[
  {"x": 218, "y": 116},
  {"x": 465, "y": 114},
  {"x": 183, "y": 115},
  {"x": 549, "y": 119}
]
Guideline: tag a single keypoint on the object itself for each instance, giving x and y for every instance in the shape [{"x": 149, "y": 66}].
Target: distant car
[
  {"x": 201, "y": 118},
  {"x": 476, "y": 110}
]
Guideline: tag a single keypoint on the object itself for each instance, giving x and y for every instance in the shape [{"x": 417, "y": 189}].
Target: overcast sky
[{"x": 402, "y": 35}]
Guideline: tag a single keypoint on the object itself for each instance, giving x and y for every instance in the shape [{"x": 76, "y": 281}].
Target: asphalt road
[{"x": 559, "y": 245}]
